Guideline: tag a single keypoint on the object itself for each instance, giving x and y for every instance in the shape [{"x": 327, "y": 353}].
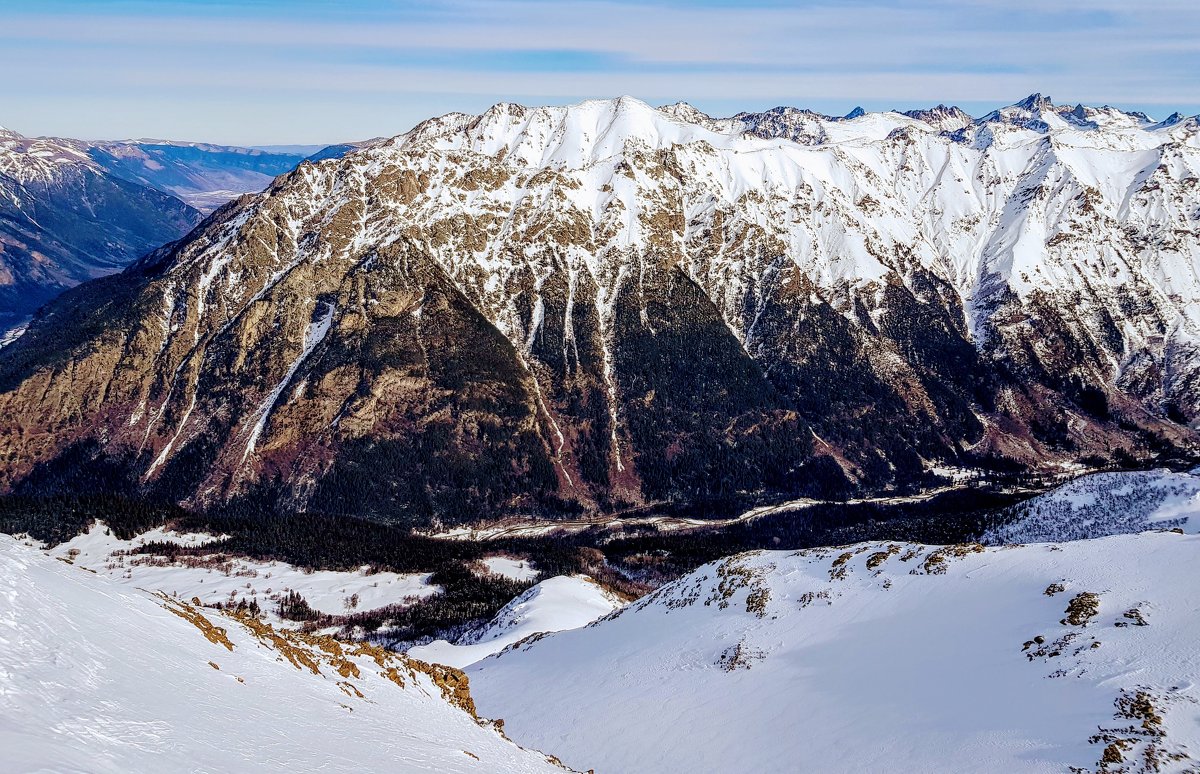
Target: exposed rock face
[
  {"x": 554, "y": 309},
  {"x": 63, "y": 221}
]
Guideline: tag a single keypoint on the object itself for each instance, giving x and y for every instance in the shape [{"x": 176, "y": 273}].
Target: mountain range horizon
[{"x": 855, "y": 111}]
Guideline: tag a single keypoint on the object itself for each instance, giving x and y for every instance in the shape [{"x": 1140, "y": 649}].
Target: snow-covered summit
[
  {"x": 982, "y": 203},
  {"x": 592, "y": 127}
]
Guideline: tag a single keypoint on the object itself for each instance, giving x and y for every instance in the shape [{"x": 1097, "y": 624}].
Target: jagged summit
[
  {"x": 945, "y": 118},
  {"x": 685, "y": 111},
  {"x": 1035, "y": 102},
  {"x": 584, "y": 132}
]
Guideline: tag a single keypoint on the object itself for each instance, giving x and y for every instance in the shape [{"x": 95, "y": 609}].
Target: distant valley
[{"x": 74, "y": 210}]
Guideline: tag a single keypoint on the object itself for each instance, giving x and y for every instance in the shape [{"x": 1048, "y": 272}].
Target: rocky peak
[
  {"x": 1035, "y": 103},
  {"x": 685, "y": 112},
  {"x": 603, "y": 306},
  {"x": 944, "y": 118}
]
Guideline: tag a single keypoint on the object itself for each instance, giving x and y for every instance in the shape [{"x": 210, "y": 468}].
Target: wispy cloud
[{"x": 243, "y": 72}]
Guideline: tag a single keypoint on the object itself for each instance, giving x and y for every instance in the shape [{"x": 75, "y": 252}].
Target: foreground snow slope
[
  {"x": 96, "y": 677},
  {"x": 1105, "y": 504},
  {"x": 554, "y": 605},
  {"x": 879, "y": 657}
]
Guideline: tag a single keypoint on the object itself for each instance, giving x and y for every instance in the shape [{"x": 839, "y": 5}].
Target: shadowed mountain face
[{"x": 556, "y": 310}]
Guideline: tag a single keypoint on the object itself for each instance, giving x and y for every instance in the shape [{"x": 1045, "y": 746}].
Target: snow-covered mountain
[
  {"x": 203, "y": 175},
  {"x": 1077, "y": 656},
  {"x": 102, "y": 678},
  {"x": 548, "y": 310},
  {"x": 65, "y": 220},
  {"x": 72, "y": 210}
]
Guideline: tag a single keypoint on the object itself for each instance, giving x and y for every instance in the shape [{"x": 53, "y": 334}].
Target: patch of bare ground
[
  {"x": 317, "y": 653},
  {"x": 1140, "y": 745},
  {"x": 736, "y": 574},
  {"x": 937, "y": 561},
  {"x": 739, "y": 656},
  {"x": 1082, "y": 608}
]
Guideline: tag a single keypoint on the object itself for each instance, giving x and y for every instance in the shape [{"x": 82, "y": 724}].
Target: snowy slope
[
  {"x": 507, "y": 567},
  {"x": 554, "y": 605},
  {"x": 1105, "y": 504},
  {"x": 879, "y": 657},
  {"x": 95, "y": 677},
  {"x": 219, "y": 579}
]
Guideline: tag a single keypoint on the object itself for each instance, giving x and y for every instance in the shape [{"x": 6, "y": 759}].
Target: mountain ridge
[
  {"x": 65, "y": 220},
  {"x": 608, "y": 305}
]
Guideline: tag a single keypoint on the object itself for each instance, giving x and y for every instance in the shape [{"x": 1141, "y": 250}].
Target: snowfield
[
  {"x": 1053, "y": 655},
  {"x": 1105, "y": 504},
  {"x": 554, "y": 605},
  {"x": 879, "y": 657},
  {"x": 99, "y": 677},
  {"x": 221, "y": 579},
  {"x": 516, "y": 569}
]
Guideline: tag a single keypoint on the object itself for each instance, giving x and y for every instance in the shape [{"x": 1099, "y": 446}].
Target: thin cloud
[{"x": 261, "y": 58}]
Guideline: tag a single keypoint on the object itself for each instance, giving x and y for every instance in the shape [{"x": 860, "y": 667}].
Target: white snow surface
[
  {"x": 219, "y": 578},
  {"x": 98, "y": 677},
  {"x": 11, "y": 335},
  {"x": 555, "y": 604},
  {"x": 1105, "y": 504},
  {"x": 507, "y": 567},
  {"x": 875, "y": 657}
]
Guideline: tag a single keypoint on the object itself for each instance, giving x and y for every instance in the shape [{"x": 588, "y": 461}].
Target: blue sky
[{"x": 315, "y": 71}]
